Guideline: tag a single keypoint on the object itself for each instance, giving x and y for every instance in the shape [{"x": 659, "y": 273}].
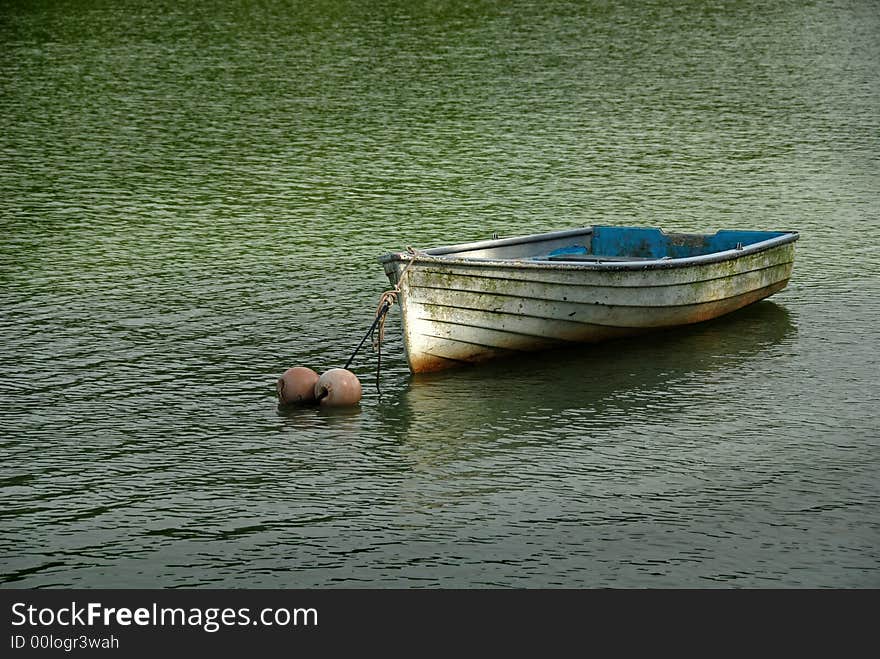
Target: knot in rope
[{"x": 386, "y": 301}]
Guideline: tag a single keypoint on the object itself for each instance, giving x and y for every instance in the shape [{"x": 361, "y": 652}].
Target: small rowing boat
[{"x": 472, "y": 302}]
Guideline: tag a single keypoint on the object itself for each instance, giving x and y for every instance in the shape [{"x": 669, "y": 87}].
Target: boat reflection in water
[{"x": 642, "y": 381}]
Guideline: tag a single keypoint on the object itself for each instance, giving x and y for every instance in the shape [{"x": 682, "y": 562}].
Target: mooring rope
[{"x": 386, "y": 301}]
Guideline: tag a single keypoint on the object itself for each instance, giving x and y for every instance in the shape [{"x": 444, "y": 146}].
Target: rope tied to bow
[
  {"x": 388, "y": 300},
  {"x": 377, "y": 329}
]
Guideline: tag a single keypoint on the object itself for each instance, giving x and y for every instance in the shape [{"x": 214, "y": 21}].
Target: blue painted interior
[
  {"x": 653, "y": 243},
  {"x": 570, "y": 250}
]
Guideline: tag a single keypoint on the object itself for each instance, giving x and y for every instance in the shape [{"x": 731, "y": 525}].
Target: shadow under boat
[{"x": 451, "y": 403}]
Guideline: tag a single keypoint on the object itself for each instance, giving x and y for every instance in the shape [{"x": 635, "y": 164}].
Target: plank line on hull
[
  {"x": 466, "y": 273},
  {"x": 528, "y": 335},
  {"x": 451, "y": 359},
  {"x": 445, "y": 352},
  {"x": 568, "y": 305},
  {"x": 426, "y": 273},
  {"x": 490, "y": 346},
  {"x": 512, "y": 325},
  {"x": 550, "y": 302},
  {"x": 507, "y": 330},
  {"x": 478, "y": 340}
]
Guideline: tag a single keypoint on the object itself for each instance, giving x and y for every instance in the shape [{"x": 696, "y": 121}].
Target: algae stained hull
[{"x": 472, "y": 302}]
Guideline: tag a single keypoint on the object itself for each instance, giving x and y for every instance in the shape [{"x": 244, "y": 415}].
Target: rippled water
[{"x": 192, "y": 199}]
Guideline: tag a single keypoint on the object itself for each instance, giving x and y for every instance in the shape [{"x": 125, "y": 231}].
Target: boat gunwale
[{"x": 443, "y": 255}]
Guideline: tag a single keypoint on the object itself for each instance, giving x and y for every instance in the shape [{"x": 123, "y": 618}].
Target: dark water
[{"x": 192, "y": 198}]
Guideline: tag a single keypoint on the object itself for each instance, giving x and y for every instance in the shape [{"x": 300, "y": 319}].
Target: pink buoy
[
  {"x": 338, "y": 387},
  {"x": 297, "y": 385}
]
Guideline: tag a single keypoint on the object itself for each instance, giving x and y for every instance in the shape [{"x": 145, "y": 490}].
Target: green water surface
[{"x": 192, "y": 199}]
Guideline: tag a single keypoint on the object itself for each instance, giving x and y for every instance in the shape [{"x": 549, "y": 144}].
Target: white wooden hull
[{"x": 462, "y": 309}]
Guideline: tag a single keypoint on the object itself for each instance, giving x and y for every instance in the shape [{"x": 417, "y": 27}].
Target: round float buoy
[
  {"x": 297, "y": 385},
  {"x": 338, "y": 387}
]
